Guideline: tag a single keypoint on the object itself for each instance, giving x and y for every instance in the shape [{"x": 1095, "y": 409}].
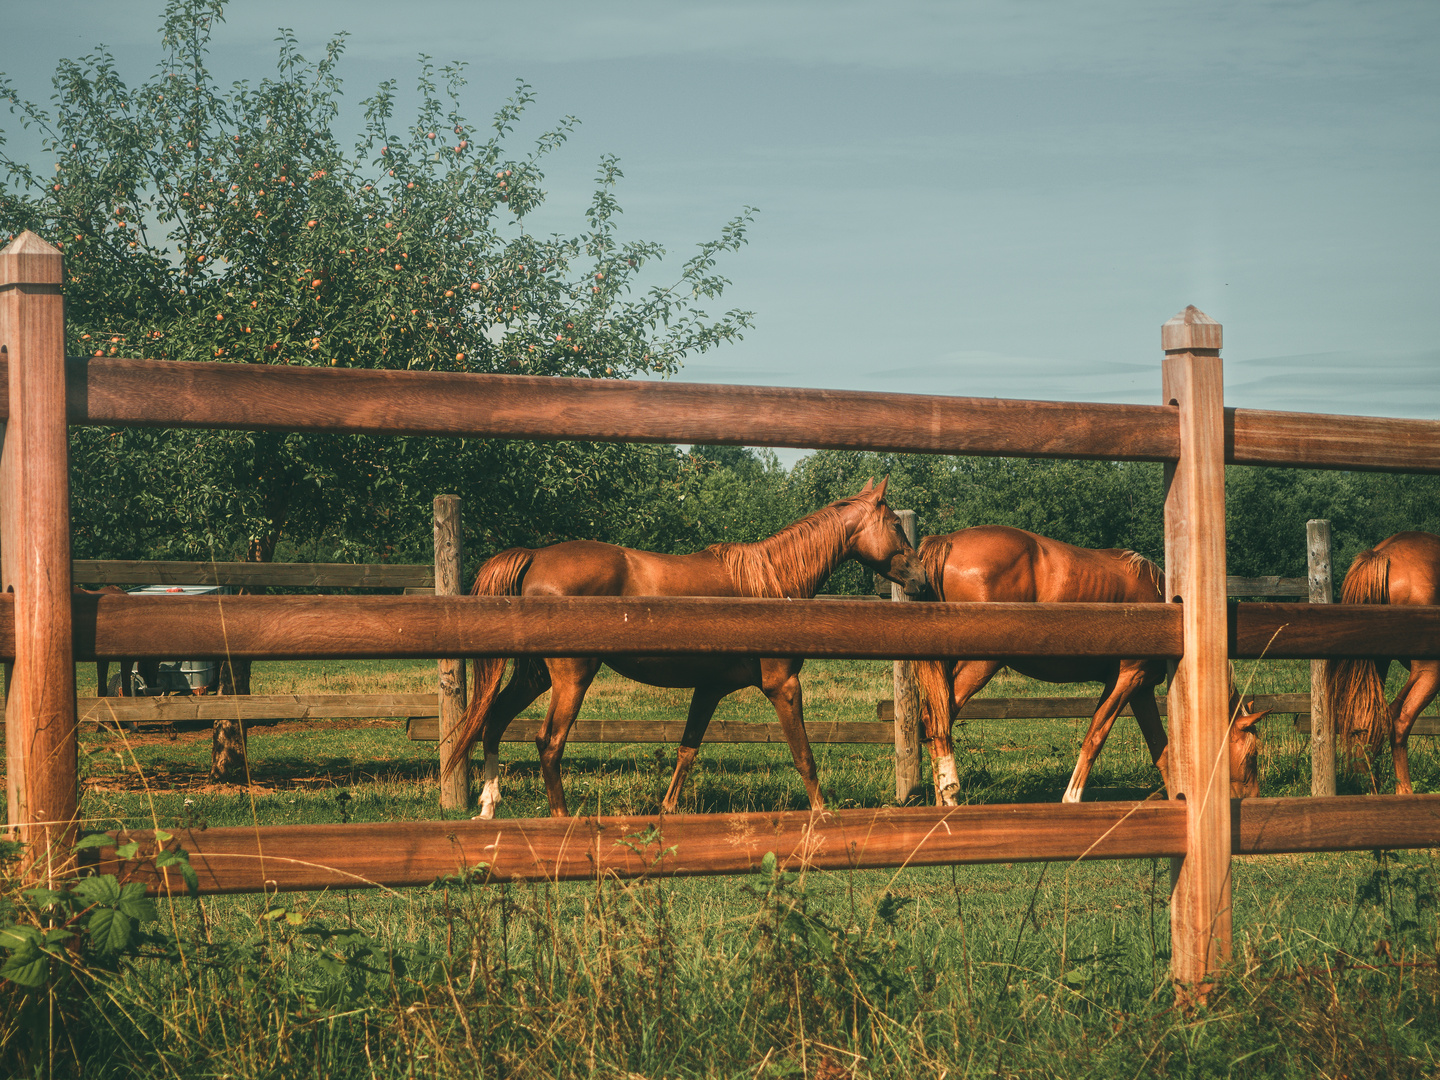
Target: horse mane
[
  {"x": 1143, "y": 567},
  {"x": 794, "y": 561}
]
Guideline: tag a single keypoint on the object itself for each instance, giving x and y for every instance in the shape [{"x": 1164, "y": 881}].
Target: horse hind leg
[
  {"x": 569, "y": 681},
  {"x": 968, "y": 680},
  {"x": 529, "y": 680},
  {"x": 702, "y": 708},
  {"x": 781, "y": 684},
  {"x": 1419, "y": 691}
]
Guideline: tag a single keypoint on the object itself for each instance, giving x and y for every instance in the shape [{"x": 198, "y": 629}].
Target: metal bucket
[{"x": 199, "y": 674}]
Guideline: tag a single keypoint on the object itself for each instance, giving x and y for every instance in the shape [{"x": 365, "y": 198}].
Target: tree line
[{"x": 232, "y": 224}]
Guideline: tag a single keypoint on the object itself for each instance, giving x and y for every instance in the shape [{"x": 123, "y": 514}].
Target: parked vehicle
[{"x": 153, "y": 678}]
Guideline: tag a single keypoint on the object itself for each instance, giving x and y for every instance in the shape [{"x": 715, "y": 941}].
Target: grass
[{"x": 1022, "y": 970}]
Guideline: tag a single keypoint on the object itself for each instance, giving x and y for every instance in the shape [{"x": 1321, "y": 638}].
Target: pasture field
[{"x": 1025, "y": 970}]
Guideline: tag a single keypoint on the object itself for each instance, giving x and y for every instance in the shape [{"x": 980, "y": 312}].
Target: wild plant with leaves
[{"x": 231, "y": 224}]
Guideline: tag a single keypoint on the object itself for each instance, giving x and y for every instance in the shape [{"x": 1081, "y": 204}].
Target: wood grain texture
[
  {"x": 317, "y": 627},
  {"x": 1343, "y": 823},
  {"x": 1321, "y": 441},
  {"x": 1425, "y": 725},
  {"x": 863, "y": 732},
  {"x": 1309, "y": 631},
  {"x": 1321, "y": 591},
  {"x": 160, "y": 393},
  {"x": 905, "y": 709},
  {"x": 291, "y": 857},
  {"x": 301, "y": 627},
  {"x": 40, "y": 737},
  {"x": 254, "y": 575},
  {"x": 1200, "y": 917},
  {"x": 450, "y": 581},
  {"x": 1081, "y": 708}
]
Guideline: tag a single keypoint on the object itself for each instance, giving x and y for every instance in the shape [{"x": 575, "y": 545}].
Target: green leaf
[
  {"x": 100, "y": 889},
  {"x": 767, "y": 864},
  {"x": 127, "y": 851},
  {"x": 42, "y": 897},
  {"x": 19, "y": 937},
  {"x": 94, "y": 840},
  {"x": 110, "y": 930},
  {"x": 29, "y": 968}
]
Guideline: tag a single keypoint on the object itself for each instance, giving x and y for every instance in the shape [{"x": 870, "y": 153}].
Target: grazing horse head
[
  {"x": 1244, "y": 750},
  {"x": 878, "y": 541}
]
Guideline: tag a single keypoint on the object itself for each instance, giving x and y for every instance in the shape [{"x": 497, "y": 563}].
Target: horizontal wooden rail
[
  {"x": 164, "y": 393},
  {"x": 250, "y": 574},
  {"x": 857, "y": 732},
  {"x": 362, "y": 627},
  {"x": 1337, "y": 823},
  {"x": 1325, "y": 441},
  {"x": 1079, "y": 708},
  {"x": 313, "y": 627},
  {"x": 302, "y": 857},
  {"x": 291, "y": 857},
  {"x": 1424, "y": 725},
  {"x": 1320, "y": 631}
]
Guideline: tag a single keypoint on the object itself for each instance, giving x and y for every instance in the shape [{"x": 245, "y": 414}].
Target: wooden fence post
[
  {"x": 908, "y": 787},
  {"x": 1322, "y": 729},
  {"x": 1199, "y": 767},
  {"x": 40, "y": 744},
  {"x": 450, "y": 581}
]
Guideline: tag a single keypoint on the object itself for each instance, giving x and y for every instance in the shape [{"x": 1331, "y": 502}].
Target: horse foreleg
[
  {"x": 780, "y": 682},
  {"x": 702, "y": 708},
  {"x": 1419, "y": 691},
  {"x": 969, "y": 679},
  {"x": 1116, "y": 693},
  {"x": 529, "y": 680},
  {"x": 569, "y": 681}
]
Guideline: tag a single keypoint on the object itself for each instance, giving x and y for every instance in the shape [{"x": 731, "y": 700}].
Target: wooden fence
[{"x": 45, "y": 629}]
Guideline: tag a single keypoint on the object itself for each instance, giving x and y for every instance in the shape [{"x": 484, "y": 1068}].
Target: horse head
[
  {"x": 1244, "y": 750},
  {"x": 878, "y": 541}
]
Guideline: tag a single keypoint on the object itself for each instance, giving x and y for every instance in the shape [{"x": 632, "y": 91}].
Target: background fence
[{"x": 45, "y": 629}]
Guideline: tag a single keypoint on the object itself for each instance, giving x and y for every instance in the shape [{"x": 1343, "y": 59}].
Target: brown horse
[
  {"x": 792, "y": 563},
  {"x": 1405, "y": 569},
  {"x": 1000, "y": 564}
]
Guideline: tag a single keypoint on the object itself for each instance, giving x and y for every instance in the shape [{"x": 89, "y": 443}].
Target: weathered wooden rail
[{"x": 1190, "y": 431}]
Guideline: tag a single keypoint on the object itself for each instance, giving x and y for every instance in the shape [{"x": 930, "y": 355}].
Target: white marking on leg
[
  {"x": 490, "y": 793},
  {"x": 1076, "y": 787},
  {"x": 947, "y": 781}
]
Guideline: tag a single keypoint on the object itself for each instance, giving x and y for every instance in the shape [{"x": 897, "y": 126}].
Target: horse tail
[
  {"x": 1355, "y": 689},
  {"x": 935, "y": 691},
  {"x": 500, "y": 576}
]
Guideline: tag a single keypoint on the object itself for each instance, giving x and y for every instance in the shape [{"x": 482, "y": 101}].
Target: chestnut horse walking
[
  {"x": 792, "y": 563},
  {"x": 1405, "y": 569},
  {"x": 998, "y": 563}
]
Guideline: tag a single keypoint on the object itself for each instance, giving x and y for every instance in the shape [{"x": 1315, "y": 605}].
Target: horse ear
[
  {"x": 1248, "y": 721},
  {"x": 868, "y": 485},
  {"x": 880, "y": 491}
]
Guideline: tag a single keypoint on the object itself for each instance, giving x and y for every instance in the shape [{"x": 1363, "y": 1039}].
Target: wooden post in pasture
[
  {"x": 450, "y": 581},
  {"x": 907, "y": 698},
  {"x": 40, "y": 742},
  {"x": 1322, "y": 728},
  {"x": 1199, "y": 767}
]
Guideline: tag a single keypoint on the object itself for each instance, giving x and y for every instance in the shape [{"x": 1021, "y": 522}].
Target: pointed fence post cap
[
  {"x": 1191, "y": 329},
  {"x": 28, "y": 260}
]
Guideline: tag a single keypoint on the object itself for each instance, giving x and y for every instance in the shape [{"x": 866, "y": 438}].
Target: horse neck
[{"x": 795, "y": 560}]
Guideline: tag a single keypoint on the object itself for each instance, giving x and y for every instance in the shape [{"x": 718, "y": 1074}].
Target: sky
[{"x": 986, "y": 199}]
